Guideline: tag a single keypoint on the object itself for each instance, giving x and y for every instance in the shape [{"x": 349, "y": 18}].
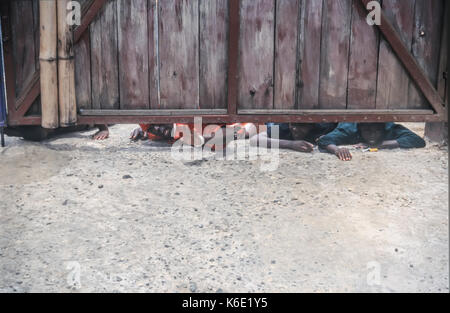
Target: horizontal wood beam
[
  {"x": 259, "y": 119},
  {"x": 337, "y": 112},
  {"x": 152, "y": 112}
]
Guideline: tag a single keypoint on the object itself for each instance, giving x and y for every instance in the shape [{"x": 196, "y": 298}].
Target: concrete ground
[{"x": 115, "y": 216}]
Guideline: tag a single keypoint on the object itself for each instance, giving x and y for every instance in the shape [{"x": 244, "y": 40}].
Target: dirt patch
[{"x": 131, "y": 218}]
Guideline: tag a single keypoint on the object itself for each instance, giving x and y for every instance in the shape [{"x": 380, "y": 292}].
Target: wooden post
[
  {"x": 48, "y": 64},
  {"x": 66, "y": 69}
]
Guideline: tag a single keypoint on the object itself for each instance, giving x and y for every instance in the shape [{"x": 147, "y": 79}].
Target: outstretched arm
[
  {"x": 342, "y": 153},
  {"x": 405, "y": 138},
  {"x": 297, "y": 145}
]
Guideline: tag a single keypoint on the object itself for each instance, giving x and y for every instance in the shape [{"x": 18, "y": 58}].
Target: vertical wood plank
[
  {"x": 179, "y": 54},
  {"x": 393, "y": 79},
  {"x": 309, "y": 54},
  {"x": 334, "y": 54},
  {"x": 426, "y": 45},
  {"x": 363, "y": 65},
  {"x": 153, "y": 54},
  {"x": 256, "y": 60},
  {"x": 213, "y": 53},
  {"x": 104, "y": 59},
  {"x": 35, "y": 108},
  {"x": 133, "y": 54},
  {"x": 83, "y": 72},
  {"x": 286, "y": 38},
  {"x": 36, "y": 32},
  {"x": 23, "y": 43}
]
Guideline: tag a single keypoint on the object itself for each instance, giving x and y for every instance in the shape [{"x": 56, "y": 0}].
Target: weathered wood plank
[
  {"x": 213, "y": 53},
  {"x": 133, "y": 54},
  {"x": 35, "y": 108},
  {"x": 104, "y": 58},
  {"x": 256, "y": 54},
  {"x": 334, "y": 54},
  {"x": 36, "y": 33},
  {"x": 174, "y": 112},
  {"x": 153, "y": 54},
  {"x": 309, "y": 54},
  {"x": 286, "y": 56},
  {"x": 179, "y": 54},
  {"x": 24, "y": 49},
  {"x": 83, "y": 72},
  {"x": 336, "y": 112},
  {"x": 426, "y": 45},
  {"x": 393, "y": 79},
  {"x": 363, "y": 65}
]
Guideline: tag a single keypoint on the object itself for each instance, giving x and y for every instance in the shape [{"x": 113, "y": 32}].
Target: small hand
[
  {"x": 302, "y": 146},
  {"x": 343, "y": 154},
  {"x": 101, "y": 135},
  {"x": 137, "y": 134}
]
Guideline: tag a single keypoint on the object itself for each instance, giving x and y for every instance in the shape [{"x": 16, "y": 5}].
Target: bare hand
[
  {"x": 343, "y": 154},
  {"x": 137, "y": 134},
  {"x": 101, "y": 135}
]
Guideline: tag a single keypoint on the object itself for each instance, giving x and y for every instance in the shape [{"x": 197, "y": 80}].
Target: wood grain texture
[
  {"x": 48, "y": 52},
  {"x": 35, "y": 108},
  {"x": 286, "y": 56},
  {"x": 309, "y": 54},
  {"x": 133, "y": 54},
  {"x": 335, "y": 53},
  {"x": 256, "y": 54},
  {"x": 426, "y": 41},
  {"x": 213, "y": 53},
  {"x": 153, "y": 54},
  {"x": 23, "y": 42},
  {"x": 363, "y": 65},
  {"x": 393, "y": 79},
  {"x": 36, "y": 33},
  {"x": 179, "y": 54},
  {"x": 83, "y": 72},
  {"x": 104, "y": 58},
  {"x": 66, "y": 69}
]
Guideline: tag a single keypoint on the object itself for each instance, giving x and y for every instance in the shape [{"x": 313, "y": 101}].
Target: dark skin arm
[
  {"x": 388, "y": 144},
  {"x": 342, "y": 153},
  {"x": 345, "y": 155},
  {"x": 297, "y": 145}
]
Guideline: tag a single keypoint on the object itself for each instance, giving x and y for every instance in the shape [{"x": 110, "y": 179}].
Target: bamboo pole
[
  {"x": 66, "y": 69},
  {"x": 48, "y": 64}
]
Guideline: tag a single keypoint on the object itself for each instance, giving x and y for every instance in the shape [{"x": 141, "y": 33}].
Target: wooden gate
[{"x": 164, "y": 61}]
